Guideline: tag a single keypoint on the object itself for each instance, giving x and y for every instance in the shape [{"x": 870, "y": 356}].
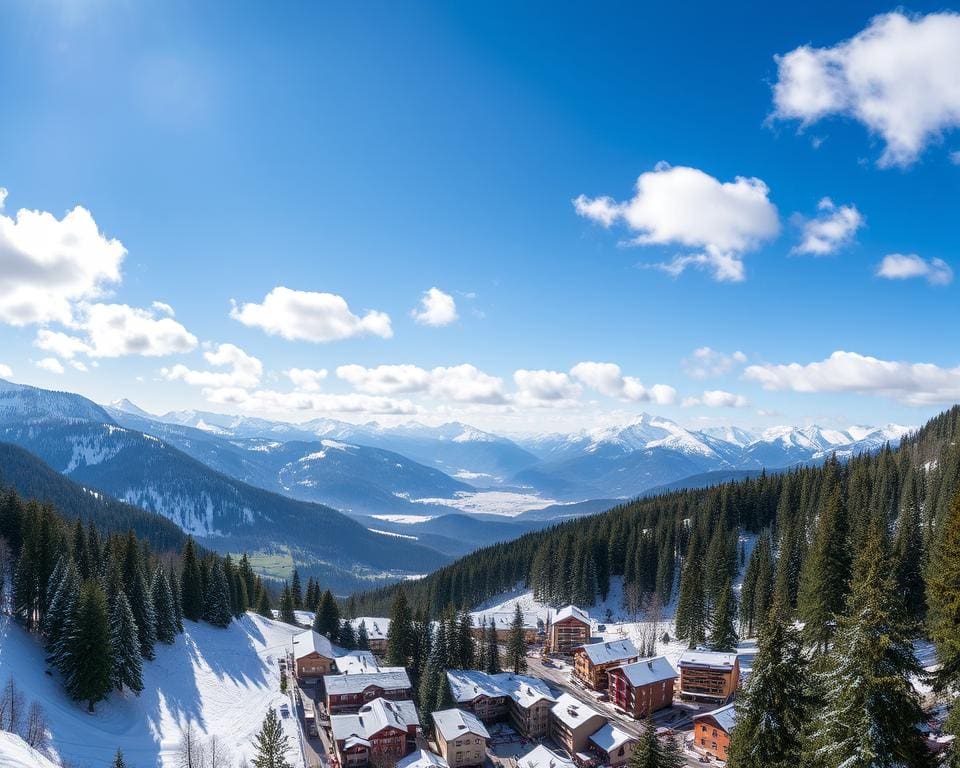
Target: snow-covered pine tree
[
  {"x": 118, "y": 761},
  {"x": 127, "y": 668},
  {"x": 400, "y": 633},
  {"x": 58, "y": 622},
  {"x": 176, "y": 596},
  {"x": 271, "y": 743},
  {"x": 163, "y": 608},
  {"x": 516, "y": 646},
  {"x": 326, "y": 619},
  {"x": 86, "y": 663},
  {"x": 492, "y": 662},
  {"x": 363, "y": 639},
  {"x": 191, "y": 584},
  {"x": 216, "y": 600},
  {"x": 346, "y": 636},
  {"x": 296, "y": 591},
  {"x": 723, "y": 633},
  {"x": 262, "y": 605}
]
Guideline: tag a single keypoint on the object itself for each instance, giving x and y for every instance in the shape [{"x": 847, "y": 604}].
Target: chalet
[
  {"x": 541, "y": 757},
  {"x": 377, "y": 629},
  {"x": 422, "y": 759},
  {"x": 572, "y": 723},
  {"x": 503, "y": 622},
  {"x": 478, "y": 692},
  {"x": 612, "y": 745},
  {"x": 711, "y": 731},
  {"x": 642, "y": 687},
  {"x": 592, "y": 662},
  {"x": 313, "y": 655},
  {"x": 708, "y": 676},
  {"x": 357, "y": 663},
  {"x": 380, "y": 732},
  {"x": 461, "y": 737},
  {"x": 570, "y": 627},
  {"x": 529, "y": 704},
  {"x": 347, "y": 693}
]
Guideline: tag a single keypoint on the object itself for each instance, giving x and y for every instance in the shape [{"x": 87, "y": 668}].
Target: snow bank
[
  {"x": 223, "y": 680},
  {"x": 16, "y": 753}
]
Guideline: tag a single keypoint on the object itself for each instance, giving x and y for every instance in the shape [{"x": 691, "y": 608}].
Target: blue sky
[{"x": 374, "y": 152}]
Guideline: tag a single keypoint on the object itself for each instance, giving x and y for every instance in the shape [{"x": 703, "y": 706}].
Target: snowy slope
[
  {"x": 16, "y": 753},
  {"x": 223, "y": 680}
]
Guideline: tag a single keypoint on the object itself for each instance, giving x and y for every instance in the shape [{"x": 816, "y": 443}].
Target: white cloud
[
  {"x": 708, "y": 363},
  {"x": 898, "y": 77},
  {"x": 911, "y": 383},
  {"x": 307, "y": 379},
  {"x": 545, "y": 389},
  {"x": 77, "y": 365},
  {"x": 6, "y": 372},
  {"x": 245, "y": 370},
  {"x": 608, "y": 380},
  {"x": 47, "y": 264},
  {"x": 685, "y": 206},
  {"x": 900, "y": 266},
  {"x": 831, "y": 229},
  {"x": 466, "y": 384},
  {"x": 386, "y": 379},
  {"x": 115, "y": 330},
  {"x": 436, "y": 308},
  {"x": 163, "y": 308},
  {"x": 459, "y": 383},
  {"x": 717, "y": 398},
  {"x": 50, "y": 364},
  {"x": 310, "y": 316},
  {"x": 271, "y": 401}
]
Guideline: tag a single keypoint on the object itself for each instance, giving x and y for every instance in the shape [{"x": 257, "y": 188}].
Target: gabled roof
[
  {"x": 571, "y": 611},
  {"x": 647, "y": 671},
  {"x": 708, "y": 659},
  {"x": 388, "y": 678},
  {"x": 357, "y": 663},
  {"x": 524, "y": 690},
  {"x": 373, "y": 718},
  {"x": 377, "y": 626},
  {"x": 610, "y": 652},
  {"x": 311, "y": 642},
  {"x": 610, "y": 738},
  {"x": 452, "y": 723},
  {"x": 503, "y": 620},
  {"x": 422, "y": 759},
  {"x": 541, "y": 757},
  {"x": 573, "y": 712},
  {"x": 725, "y": 717},
  {"x": 468, "y": 684}
]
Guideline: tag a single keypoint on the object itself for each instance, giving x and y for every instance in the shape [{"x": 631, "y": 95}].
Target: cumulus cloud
[
  {"x": 717, "y": 398},
  {"x": 685, "y": 206},
  {"x": 50, "y": 364},
  {"x": 898, "y": 77},
  {"x": 436, "y": 308},
  {"x": 47, "y": 264},
  {"x": 608, "y": 379},
  {"x": 244, "y": 371},
  {"x": 307, "y": 379},
  {"x": 545, "y": 389},
  {"x": 272, "y": 401},
  {"x": 911, "y": 383},
  {"x": 832, "y": 228},
  {"x": 163, "y": 308},
  {"x": 310, "y": 316},
  {"x": 6, "y": 372},
  {"x": 463, "y": 383},
  {"x": 386, "y": 379},
  {"x": 900, "y": 266},
  {"x": 466, "y": 384},
  {"x": 708, "y": 363}
]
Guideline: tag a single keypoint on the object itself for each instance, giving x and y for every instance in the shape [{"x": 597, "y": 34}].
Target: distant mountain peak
[{"x": 126, "y": 406}]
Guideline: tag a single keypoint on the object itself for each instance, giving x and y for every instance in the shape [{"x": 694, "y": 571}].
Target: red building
[
  {"x": 642, "y": 687},
  {"x": 347, "y": 693},
  {"x": 382, "y": 731}
]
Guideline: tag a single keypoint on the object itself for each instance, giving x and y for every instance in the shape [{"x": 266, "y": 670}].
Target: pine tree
[
  {"x": 141, "y": 602},
  {"x": 87, "y": 664},
  {"x": 466, "y": 649},
  {"x": 249, "y": 578},
  {"x": 216, "y": 600},
  {"x": 57, "y": 622},
  {"x": 723, "y": 634},
  {"x": 118, "y": 760},
  {"x": 908, "y": 555},
  {"x": 271, "y": 743},
  {"x": 516, "y": 645},
  {"x": 771, "y": 712},
  {"x": 346, "y": 637},
  {"x": 262, "y": 605},
  {"x": 175, "y": 596},
  {"x": 126, "y": 666},
  {"x": 363, "y": 640},
  {"x": 296, "y": 591},
  {"x": 166, "y": 617},
  {"x": 287, "y": 614},
  {"x": 870, "y": 709},
  {"x": 691, "y": 610},
  {"x": 651, "y": 753},
  {"x": 400, "y": 633},
  {"x": 492, "y": 662},
  {"x": 191, "y": 584},
  {"x": 326, "y": 618}
]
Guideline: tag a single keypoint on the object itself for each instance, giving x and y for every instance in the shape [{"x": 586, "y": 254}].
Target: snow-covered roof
[
  {"x": 571, "y": 611},
  {"x": 725, "y": 717},
  {"x": 422, "y": 759},
  {"x": 610, "y": 738},
  {"x": 610, "y": 652},
  {"x": 373, "y": 718},
  {"x": 710, "y": 659},
  {"x": 388, "y": 678},
  {"x": 541, "y": 757},
  {"x": 647, "y": 671},
  {"x": 311, "y": 642},
  {"x": 572, "y": 712},
  {"x": 524, "y": 690},
  {"x": 452, "y": 723},
  {"x": 503, "y": 620},
  {"x": 357, "y": 663},
  {"x": 377, "y": 626},
  {"x": 467, "y": 684}
]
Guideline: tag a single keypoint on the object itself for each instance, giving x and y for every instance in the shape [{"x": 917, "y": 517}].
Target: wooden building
[
  {"x": 348, "y": 693},
  {"x": 711, "y": 732},
  {"x": 569, "y": 628},
  {"x": 572, "y": 723},
  {"x": 642, "y": 687},
  {"x": 313, "y": 655},
  {"x": 503, "y": 622},
  {"x": 612, "y": 745},
  {"x": 381, "y": 732},
  {"x": 708, "y": 676},
  {"x": 377, "y": 628},
  {"x": 461, "y": 737},
  {"x": 592, "y": 662},
  {"x": 529, "y": 704},
  {"x": 479, "y": 693}
]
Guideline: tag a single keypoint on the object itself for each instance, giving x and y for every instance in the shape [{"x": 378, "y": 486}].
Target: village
[{"x": 582, "y": 702}]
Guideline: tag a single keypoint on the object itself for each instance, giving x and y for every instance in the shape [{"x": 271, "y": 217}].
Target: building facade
[
  {"x": 530, "y": 703},
  {"x": 461, "y": 737},
  {"x": 642, "y": 687},
  {"x": 569, "y": 628},
  {"x": 708, "y": 676},
  {"x": 479, "y": 693},
  {"x": 313, "y": 655},
  {"x": 347, "y": 693},
  {"x": 592, "y": 662},
  {"x": 572, "y": 723},
  {"x": 711, "y": 732},
  {"x": 612, "y": 745},
  {"x": 381, "y": 732}
]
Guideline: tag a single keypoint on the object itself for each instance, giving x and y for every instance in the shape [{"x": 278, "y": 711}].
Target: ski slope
[{"x": 223, "y": 680}]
